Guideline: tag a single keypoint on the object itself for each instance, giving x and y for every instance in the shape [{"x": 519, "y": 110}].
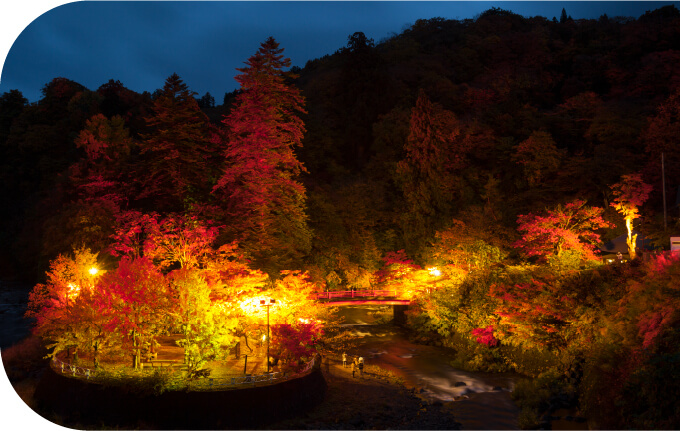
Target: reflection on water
[
  {"x": 478, "y": 400},
  {"x": 13, "y": 326}
]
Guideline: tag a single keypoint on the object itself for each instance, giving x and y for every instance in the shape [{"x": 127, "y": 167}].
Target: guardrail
[
  {"x": 73, "y": 370},
  {"x": 68, "y": 369},
  {"x": 251, "y": 380},
  {"x": 355, "y": 293}
]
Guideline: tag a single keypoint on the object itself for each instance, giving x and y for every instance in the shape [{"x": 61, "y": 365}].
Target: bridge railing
[{"x": 362, "y": 293}]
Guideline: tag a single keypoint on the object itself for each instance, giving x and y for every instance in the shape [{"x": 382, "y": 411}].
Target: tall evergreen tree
[
  {"x": 259, "y": 186},
  {"x": 177, "y": 152},
  {"x": 434, "y": 151}
]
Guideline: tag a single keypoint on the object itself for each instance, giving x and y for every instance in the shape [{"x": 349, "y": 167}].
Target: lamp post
[{"x": 266, "y": 304}]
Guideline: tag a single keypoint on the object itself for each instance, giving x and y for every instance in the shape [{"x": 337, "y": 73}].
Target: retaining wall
[{"x": 87, "y": 403}]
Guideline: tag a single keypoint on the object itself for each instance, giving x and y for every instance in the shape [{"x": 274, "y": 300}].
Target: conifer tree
[
  {"x": 259, "y": 187},
  {"x": 177, "y": 152},
  {"x": 434, "y": 150}
]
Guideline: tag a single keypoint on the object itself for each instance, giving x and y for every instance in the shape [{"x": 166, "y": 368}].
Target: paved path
[{"x": 232, "y": 366}]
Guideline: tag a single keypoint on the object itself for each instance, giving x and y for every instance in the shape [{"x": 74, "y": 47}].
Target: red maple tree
[
  {"x": 572, "y": 227},
  {"x": 135, "y": 299}
]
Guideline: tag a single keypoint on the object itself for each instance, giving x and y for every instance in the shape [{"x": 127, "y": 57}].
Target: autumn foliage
[
  {"x": 571, "y": 228},
  {"x": 629, "y": 195}
]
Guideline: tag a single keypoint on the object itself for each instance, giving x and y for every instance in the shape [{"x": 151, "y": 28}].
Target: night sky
[{"x": 142, "y": 43}]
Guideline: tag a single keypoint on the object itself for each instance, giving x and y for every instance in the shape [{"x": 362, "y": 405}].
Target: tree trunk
[
  {"x": 95, "y": 355},
  {"x": 631, "y": 239},
  {"x": 250, "y": 348},
  {"x": 135, "y": 350}
]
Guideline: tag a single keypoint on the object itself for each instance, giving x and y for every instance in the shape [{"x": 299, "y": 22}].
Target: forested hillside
[
  {"x": 476, "y": 167},
  {"x": 477, "y": 120}
]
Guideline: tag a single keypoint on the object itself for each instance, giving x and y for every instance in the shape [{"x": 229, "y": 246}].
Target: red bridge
[{"x": 362, "y": 297}]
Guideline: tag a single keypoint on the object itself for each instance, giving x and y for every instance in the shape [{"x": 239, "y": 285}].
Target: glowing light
[
  {"x": 434, "y": 271},
  {"x": 264, "y": 337},
  {"x": 73, "y": 290},
  {"x": 252, "y": 306},
  {"x": 93, "y": 271}
]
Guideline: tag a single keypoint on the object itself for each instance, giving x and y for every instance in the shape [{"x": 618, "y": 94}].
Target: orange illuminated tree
[
  {"x": 629, "y": 195},
  {"x": 179, "y": 240},
  {"x": 64, "y": 307}
]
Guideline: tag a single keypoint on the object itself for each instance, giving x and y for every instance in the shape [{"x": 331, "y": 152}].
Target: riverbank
[
  {"x": 377, "y": 400},
  {"x": 374, "y": 401}
]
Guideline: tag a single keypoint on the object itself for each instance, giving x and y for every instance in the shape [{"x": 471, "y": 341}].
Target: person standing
[
  {"x": 344, "y": 359},
  {"x": 354, "y": 366},
  {"x": 361, "y": 366}
]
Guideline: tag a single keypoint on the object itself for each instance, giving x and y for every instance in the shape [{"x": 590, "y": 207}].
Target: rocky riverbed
[{"x": 374, "y": 401}]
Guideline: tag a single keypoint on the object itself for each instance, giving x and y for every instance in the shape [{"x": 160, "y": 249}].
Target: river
[
  {"x": 13, "y": 326},
  {"x": 478, "y": 400}
]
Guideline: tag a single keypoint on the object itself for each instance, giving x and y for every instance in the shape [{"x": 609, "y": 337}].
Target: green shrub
[
  {"x": 531, "y": 362},
  {"x": 528, "y": 419},
  {"x": 141, "y": 382}
]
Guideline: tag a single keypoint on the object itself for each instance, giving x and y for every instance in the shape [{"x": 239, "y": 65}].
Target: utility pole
[
  {"x": 265, "y": 304},
  {"x": 663, "y": 187}
]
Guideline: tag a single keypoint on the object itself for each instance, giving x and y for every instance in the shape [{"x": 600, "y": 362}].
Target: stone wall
[
  {"x": 86, "y": 403},
  {"x": 400, "y": 314}
]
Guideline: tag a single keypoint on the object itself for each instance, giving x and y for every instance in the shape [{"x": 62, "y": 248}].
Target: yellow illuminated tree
[
  {"x": 64, "y": 307},
  {"x": 208, "y": 328},
  {"x": 629, "y": 195}
]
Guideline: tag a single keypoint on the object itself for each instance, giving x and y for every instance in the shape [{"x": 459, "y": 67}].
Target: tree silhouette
[
  {"x": 433, "y": 152},
  {"x": 176, "y": 155}
]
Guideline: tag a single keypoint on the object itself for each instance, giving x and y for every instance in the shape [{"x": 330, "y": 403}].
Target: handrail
[
  {"x": 355, "y": 293},
  {"x": 65, "y": 368},
  {"x": 252, "y": 380}
]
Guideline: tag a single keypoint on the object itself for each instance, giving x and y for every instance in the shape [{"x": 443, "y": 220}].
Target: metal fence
[
  {"x": 210, "y": 383},
  {"x": 224, "y": 382},
  {"x": 66, "y": 368}
]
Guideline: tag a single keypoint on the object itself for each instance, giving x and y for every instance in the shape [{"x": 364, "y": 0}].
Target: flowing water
[
  {"x": 478, "y": 400},
  {"x": 13, "y": 326}
]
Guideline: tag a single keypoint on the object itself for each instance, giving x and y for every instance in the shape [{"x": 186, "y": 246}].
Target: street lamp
[{"x": 264, "y": 303}]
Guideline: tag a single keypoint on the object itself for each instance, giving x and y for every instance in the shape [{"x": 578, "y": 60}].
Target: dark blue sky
[{"x": 142, "y": 43}]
